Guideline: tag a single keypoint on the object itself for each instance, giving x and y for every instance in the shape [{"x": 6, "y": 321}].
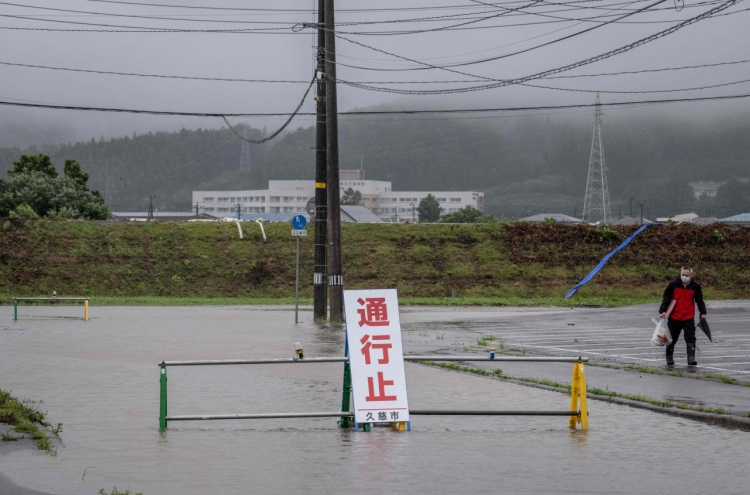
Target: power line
[
  {"x": 89, "y": 71},
  {"x": 292, "y": 81},
  {"x": 519, "y": 52},
  {"x": 372, "y": 112},
  {"x": 289, "y": 121},
  {"x": 274, "y": 31},
  {"x": 640, "y": 92},
  {"x": 550, "y": 72}
]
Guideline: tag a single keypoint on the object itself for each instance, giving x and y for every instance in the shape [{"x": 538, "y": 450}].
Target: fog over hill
[{"x": 525, "y": 164}]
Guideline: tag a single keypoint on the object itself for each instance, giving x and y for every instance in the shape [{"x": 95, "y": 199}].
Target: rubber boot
[
  {"x": 691, "y": 355},
  {"x": 670, "y": 355}
]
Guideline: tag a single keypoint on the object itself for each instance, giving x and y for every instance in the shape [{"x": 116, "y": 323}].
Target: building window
[
  {"x": 288, "y": 199},
  {"x": 274, "y": 209},
  {"x": 288, "y": 209},
  {"x": 208, "y": 210},
  {"x": 455, "y": 200},
  {"x": 300, "y": 199},
  {"x": 222, "y": 210},
  {"x": 208, "y": 200},
  {"x": 260, "y": 199},
  {"x": 246, "y": 200},
  {"x": 262, "y": 209},
  {"x": 223, "y": 200},
  {"x": 440, "y": 200},
  {"x": 275, "y": 199},
  {"x": 453, "y": 210}
]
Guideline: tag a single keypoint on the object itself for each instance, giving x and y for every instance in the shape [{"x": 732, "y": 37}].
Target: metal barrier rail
[
  {"x": 221, "y": 362},
  {"x": 343, "y": 414},
  {"x": 84, "y": 299},
  {"x": 576, "y": 415}
]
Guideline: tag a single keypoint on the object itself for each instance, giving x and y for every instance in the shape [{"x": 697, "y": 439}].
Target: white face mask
[{"x": 685, "y": 279}]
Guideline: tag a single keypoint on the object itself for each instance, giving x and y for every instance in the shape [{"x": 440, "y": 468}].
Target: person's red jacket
[{"x": 685, "y": 297}]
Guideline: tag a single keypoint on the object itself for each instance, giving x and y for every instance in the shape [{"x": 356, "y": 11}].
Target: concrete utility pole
[
  {"x": 320, "y": 295},
  {"x": 196, "y": 209},
  {"x": 238, "y": 212},
  {"x": 335, "y": 275}
]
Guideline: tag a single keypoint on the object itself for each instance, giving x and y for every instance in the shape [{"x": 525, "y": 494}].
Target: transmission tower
[
  {"x": 596, "y": 204},
  {"x": 245, "y": 156}
]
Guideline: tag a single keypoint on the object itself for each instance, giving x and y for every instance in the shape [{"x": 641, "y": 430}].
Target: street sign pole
[
  {"x": 296, "y": 288},
  {"x": 299, "y": 222}
]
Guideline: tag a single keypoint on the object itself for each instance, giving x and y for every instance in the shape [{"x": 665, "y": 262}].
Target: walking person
[{"x": 686, "y": 293}]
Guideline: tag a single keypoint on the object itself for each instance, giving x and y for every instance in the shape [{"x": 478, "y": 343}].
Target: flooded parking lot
[{"x": 100, "y": 378}]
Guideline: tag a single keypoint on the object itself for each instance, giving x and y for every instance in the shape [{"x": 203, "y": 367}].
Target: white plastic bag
[{"x": 662, "y": 336}]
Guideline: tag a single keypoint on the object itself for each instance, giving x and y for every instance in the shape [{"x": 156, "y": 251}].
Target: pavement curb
[{"x": 723, "y": 420}]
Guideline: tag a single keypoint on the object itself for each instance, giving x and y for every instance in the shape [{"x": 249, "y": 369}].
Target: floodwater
[{"x": 100, "y": 379}]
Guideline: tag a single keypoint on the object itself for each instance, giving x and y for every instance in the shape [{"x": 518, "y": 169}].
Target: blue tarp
[{"x": 604, "y": 260}]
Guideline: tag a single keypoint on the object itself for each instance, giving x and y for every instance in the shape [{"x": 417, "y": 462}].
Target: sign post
[
  {"x": 376, "y": 357},
  {"x": 299, "y": 222}
]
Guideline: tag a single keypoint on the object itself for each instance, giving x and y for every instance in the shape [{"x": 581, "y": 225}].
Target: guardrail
[
  {"x": 576, "y": 414},
  {"x": 84, "y": 299}
]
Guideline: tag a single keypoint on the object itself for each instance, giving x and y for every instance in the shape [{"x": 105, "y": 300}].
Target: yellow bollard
[
  {"x": 86, "y": 310},
  {"x": 578, "y": 397}
]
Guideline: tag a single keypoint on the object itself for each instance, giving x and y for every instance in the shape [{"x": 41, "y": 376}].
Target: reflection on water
[{"x": 101, "y": 380}]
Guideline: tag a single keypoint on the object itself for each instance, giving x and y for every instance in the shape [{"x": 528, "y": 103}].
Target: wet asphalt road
[{"x": 101, "y": 380}]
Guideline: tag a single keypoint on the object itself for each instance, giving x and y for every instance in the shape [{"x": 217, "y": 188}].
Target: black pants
[{"x": 676, "y": 327}]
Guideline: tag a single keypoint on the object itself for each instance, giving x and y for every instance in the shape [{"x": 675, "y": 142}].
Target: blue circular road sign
[{"x": 299, "y": 222}]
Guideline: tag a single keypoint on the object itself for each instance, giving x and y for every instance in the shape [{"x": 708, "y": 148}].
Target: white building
[{"x": 290, "y": 196}]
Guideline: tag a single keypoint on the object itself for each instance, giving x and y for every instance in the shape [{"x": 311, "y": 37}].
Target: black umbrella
[{"x": 704, "y": 326}]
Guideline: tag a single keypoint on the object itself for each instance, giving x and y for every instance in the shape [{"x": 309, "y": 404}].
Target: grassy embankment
[
  {"x": 25, "y": 417},
  {"x": 503, "y": 263}
]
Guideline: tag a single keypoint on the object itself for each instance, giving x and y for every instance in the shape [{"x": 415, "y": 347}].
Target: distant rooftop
[
  {"x": 742, "y": 219},
  {"x": 631, "y": 221},
  {"x": 358, "y": 214},
  {"x": 558, "y": 217}
]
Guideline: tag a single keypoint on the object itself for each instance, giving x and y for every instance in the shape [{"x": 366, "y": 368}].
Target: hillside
[
  {"x": 525, "y": 165},
  {"x": 492, "y": 260}
]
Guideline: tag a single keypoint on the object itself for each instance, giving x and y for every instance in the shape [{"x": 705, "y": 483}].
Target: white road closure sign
[{"x": 373, "y": 329}]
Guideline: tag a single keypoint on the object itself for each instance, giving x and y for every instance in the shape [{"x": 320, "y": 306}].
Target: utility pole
[
  {"x": 151, "y": 207},
  {"x": 196, "y": 209},
  {"x": 413, "y": 214},
  {"x": 320, "y": 295},
  {"x": 335, "y": 275},
  {"x": 238, "y": 212}
]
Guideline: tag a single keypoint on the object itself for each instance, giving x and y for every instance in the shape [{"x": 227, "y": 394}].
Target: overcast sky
[{"x": 285, "y": 55}]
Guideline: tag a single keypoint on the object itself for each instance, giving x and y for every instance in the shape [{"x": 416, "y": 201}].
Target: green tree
[
  {"x": 73, "y": 170},
  {"x": 23, "y": 211},
  {"x": 34, "y": 163},
  {"x": 32, "y": 189},
  {"x": 467, "y": 215},
  {"x": 429, "y": 209},
  {"x": 351, "y": 197}
]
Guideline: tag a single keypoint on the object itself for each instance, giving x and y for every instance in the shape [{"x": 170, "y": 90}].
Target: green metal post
[
  {"x": 162, "y": 398},
  {"x": 346, "y": 396},
  {"x": 15, "y": 309}
]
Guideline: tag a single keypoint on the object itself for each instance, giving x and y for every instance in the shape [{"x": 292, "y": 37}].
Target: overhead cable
[
  {"x": 373, "y": 112},
  {"x": 293, "y": 81},
  {"x": 279, "y": 131},
  {"x": 550, "y": 72},
  {"x": 507, "y": 55}
]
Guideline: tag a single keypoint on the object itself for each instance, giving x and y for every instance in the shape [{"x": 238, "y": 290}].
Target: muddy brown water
[{"x": 100, "y": 379}]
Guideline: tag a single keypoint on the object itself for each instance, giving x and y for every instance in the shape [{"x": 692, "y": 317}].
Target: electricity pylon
[
  {"x": 596, "y": 203},
  {"x": 245, "y": 156}
]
